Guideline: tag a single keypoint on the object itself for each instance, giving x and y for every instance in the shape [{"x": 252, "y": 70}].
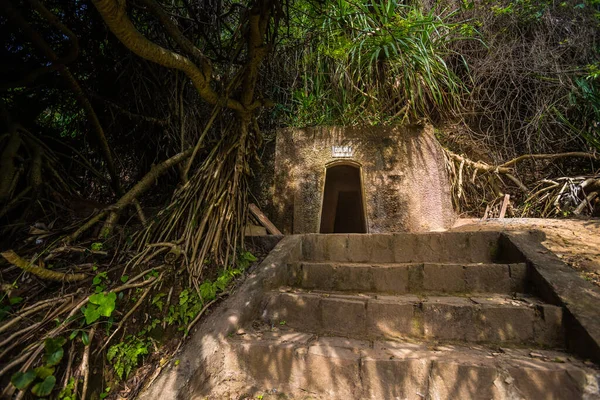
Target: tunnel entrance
[{"x": 343, "y": 208}]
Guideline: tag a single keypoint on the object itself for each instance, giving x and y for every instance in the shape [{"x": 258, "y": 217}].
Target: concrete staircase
[{"x": 409, "y": 317}]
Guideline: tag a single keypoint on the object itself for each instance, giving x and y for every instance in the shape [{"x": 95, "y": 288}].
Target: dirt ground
[{"x": 577, "y": 242}]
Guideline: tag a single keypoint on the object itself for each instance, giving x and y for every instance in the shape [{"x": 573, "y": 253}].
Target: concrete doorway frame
[{"x": 351, "y": 163}]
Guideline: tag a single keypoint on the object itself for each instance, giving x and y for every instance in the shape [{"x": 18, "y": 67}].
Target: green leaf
[
  {"x": 183, "y": 297},
  {"x": 15, "y": 300},
  {"x": 53, "y": 344},
  {"x": 22, "y": 380},
  {"x": 99, "y": 277},
  {"x": 97, "y": 246},
  {"x": 222, "y": 282},
  {"x": 124, "y": 278},
  {"x": 104, "y": 394},
  {"x": 208, "y": 291},
  {"x": 156, "y": 300},
  {"x": 44, "y": 371},
  {"x": 85, "y": 338},
  {"x": 105, "y": 303},
  {"x": 112, "y": 352},
  {"x": 91, "y": 314},
  {"x": 73, "y": 334},
  {"x": 44, "y": 388},
  {"x": 54, "y": 358}
]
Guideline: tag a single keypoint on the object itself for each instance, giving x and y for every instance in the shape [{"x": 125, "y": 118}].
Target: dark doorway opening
[{"x": 343, "y": 209}]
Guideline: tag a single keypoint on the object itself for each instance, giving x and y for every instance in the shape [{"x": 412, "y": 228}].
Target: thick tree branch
[
  {"x": 115, "y": 16},
  {"x": 131, "y": 196},
  {"x": 179, "y": 38},
  {"x": 257, "y": 50}
]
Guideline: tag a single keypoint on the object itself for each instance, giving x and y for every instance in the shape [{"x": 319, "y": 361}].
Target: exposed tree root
[
  {"x": 43, "y": 273},
  {"x": 85, "y": 364},
  {"x": 538, "y": 198}
]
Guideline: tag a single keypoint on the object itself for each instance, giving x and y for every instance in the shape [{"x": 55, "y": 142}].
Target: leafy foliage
[
  {"x": 44, "y": 388},
  {"x": 100, "y": 305},
  {"x": 374, "y": 62},
  {"x": 53, "y": 350},
  {"x": 53, "y": 354},
  {"x": 191, "y": 302},
  {"x": 68, "y": 392},
  {"x": 125, "y": 356},
  {"x": 22, "y": 380}
]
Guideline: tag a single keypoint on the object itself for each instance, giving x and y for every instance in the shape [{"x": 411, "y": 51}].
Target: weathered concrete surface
[
  {"x": 493, "y": 318},
  {"x": 574, "y": 241},
  {"x": 411, "y": 278},
  {"x": 556, "y": 283},
  {"x": 341, "y": 368},
  {"x": 393, "y": 161},
  {"x": 233, "y": 355},
  {"x": 435, "y": 247}
]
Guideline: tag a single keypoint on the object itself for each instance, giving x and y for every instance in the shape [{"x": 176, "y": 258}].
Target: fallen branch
[
  {"x": 43, "y": 273},
  {"x": 141, "y": 187},
  {"x": 586, "y": 202}
]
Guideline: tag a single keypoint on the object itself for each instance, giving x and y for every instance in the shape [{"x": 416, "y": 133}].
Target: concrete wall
[{"x": 402, "y": 168}]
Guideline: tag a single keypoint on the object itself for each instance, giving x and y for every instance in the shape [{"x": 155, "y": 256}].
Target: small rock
[
  {"x": 496, "y": 354},
  {"x": 509, "y": 380},
  {"x": 536, "y": 355},
  {"x": 240, "y": 332}
]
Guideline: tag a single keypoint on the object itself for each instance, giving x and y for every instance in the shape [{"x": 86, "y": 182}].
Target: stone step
[
  {"x": 411, "y": 277},
  {"x": 458, "y": 247},
  {"x": 297, "y": 364},
  {"x": 484, "y": 318}
]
